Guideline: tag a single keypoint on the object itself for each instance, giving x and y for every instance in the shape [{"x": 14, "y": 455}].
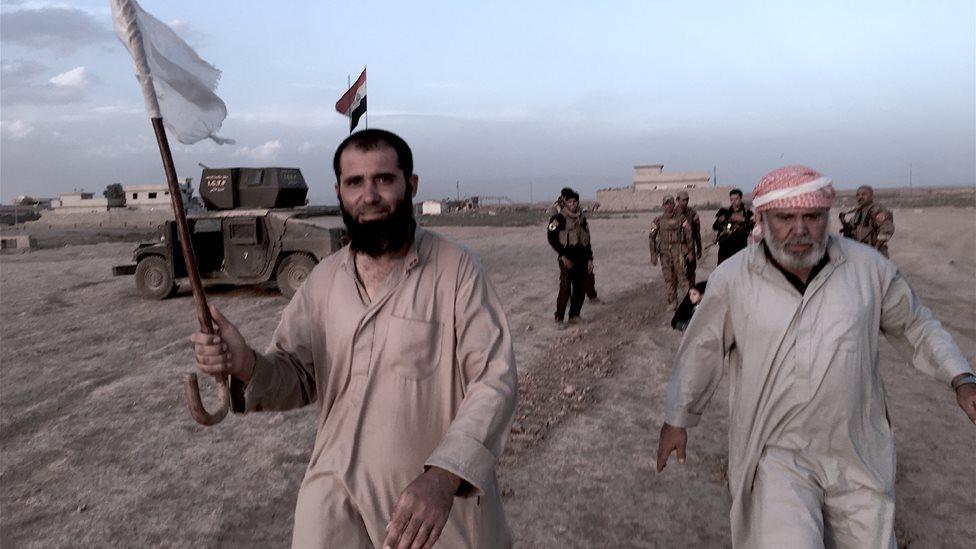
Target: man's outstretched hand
[
  {"x": 673, "y": 439},
  {"x": 422, "y": 510},
  {"x": 966, "y": 397}
]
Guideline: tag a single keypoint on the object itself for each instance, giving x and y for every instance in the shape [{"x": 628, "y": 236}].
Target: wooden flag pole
[{"x": 191, "y": 389}]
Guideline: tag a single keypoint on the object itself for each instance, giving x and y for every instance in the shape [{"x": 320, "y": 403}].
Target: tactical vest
[
  {"x": 866, "y": 225},
  {"x": 670, "y": 231},
  {"x": 574, "y": 233}
]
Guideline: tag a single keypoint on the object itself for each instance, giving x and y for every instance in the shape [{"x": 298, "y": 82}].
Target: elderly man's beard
[
  {"x": 380, "y": 236},
  {"x": 789, "y": 260}
]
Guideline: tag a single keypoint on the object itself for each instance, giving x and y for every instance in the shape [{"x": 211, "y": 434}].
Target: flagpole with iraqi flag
[
  {"x": 178, "y": 89},
  {"x": 353, "y": 102}
]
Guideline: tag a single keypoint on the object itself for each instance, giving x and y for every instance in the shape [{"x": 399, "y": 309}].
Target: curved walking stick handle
[{"x": 191, "y": 393}]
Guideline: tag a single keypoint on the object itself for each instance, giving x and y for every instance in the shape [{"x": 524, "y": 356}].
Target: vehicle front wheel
[
  {"x": 153, "y": 278},
  {"x": 292, "y": 272}
]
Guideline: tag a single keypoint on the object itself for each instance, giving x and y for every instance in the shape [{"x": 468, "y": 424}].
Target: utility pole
[
  {"x": 457, "y": 184},
  {"x": 714, "y": 176},
  {"x": 909, "y": 175}
]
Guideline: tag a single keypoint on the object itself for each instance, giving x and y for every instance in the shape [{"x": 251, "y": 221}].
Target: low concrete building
[
  {"x": 21, "y": 243},
  {"x": 651, "y": 177},
  {"x": 651, "y": 184},
  {"x": 154, "y": 196},
  {"x": 431, "y": 207},
  {"x": 83, "y": 202}
]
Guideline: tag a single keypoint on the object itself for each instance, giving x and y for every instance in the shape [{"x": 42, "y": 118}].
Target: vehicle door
[{"x": 245, "y": 246}]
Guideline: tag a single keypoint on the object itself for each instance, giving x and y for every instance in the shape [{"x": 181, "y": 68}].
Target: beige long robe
[
  {"x": 810, "y": 447},
  {"x": 424, "y": 375}
]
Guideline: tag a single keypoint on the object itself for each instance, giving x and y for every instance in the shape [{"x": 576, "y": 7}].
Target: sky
[{"x": 514, "y": 99}]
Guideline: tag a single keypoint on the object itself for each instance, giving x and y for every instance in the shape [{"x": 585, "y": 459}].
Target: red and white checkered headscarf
[{"x": 791, "y": 187}]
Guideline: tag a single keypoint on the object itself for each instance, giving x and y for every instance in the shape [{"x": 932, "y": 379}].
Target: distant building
[
  {"x": 651, "y": 177},
  {"x": 155, "y": 196},
  {"x": 431, "y": 207},
  {"x": 83, "y": 202},
  {"x": 651, "y": 184}
]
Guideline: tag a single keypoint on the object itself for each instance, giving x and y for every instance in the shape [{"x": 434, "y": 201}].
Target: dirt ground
[{"x": 97, "y": 449}]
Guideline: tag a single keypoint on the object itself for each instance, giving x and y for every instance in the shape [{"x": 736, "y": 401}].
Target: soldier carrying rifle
[
  {"x": 869, "y": 223},
  {"x": 732, "y": 226}
]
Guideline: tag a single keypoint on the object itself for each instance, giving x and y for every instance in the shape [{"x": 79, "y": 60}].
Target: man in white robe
[{"x": 797, "y": 319}]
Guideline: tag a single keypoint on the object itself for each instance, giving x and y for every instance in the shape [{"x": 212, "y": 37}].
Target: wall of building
[
  {"x": 430, "y": 207},
  {"x": 652, "y": 177},
  {"x": 155, "y": 196},
  {"x": 113, "y": 218},
  {"x": 630, "y": 199},
  {"x": 73, "y": 203}
]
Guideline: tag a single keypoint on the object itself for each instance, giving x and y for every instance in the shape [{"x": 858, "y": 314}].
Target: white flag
[{"x": 177, "y": 85}]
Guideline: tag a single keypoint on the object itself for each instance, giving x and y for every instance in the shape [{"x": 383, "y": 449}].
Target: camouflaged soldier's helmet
[
  {"x": 667, "y": 198},
  {"x": 683, "y": 194}
]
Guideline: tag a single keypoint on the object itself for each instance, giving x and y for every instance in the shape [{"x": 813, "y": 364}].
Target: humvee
[{"x": 253, "y": 231}]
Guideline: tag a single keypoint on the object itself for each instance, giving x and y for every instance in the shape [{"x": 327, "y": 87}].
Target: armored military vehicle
[{"x": 256, "y": 229}]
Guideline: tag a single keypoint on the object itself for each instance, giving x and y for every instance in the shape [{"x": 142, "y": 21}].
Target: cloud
[
  {"x": 15, "y": 129},
  {"x": 188, "y": 32},
  {"x": 59, "y": 28},
  {"x": 261, "y": 153},
  {"x": 116, "y": 109},
  {"x": 22, "y": 82},
  {"x": 76, "y": 78},
  {"x": 307, "y": 147}
]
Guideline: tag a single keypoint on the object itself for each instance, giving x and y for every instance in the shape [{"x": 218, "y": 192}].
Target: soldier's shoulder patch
[{"x": 554, "y": 224}]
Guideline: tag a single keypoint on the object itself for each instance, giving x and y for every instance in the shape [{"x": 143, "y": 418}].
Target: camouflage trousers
[
  {"x": 674, "y": 269},
  {"x": 572, "y": 290},
  {"x": 690, "y": 268}
]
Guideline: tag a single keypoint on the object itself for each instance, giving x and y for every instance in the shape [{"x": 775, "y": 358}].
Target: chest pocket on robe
[{"x": 413, "y": 347}]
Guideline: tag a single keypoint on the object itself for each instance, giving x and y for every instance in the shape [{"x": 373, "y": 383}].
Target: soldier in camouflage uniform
[
  {"x": 671, "y": 242},
  {"x": 556, "y": 207},
  {"x": 569, "y": 234},
  {"x": 869, "y": 223},
  {"x": 688, "y": 214}
]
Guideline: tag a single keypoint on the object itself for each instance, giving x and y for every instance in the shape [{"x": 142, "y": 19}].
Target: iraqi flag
[{"x": 353, "y": 102}]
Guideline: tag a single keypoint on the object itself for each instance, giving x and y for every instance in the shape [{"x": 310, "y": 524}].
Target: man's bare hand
[
  {"x": 225, "y": 352},
  {"x": 672, "y": 439},
  {"x": 966, "y": 397},
  {"x": 589, "y": 266},
  {"x": 654, "y": 259},
  {"x": 422, "y": 510},
  {"x": 565, "y": 262}
]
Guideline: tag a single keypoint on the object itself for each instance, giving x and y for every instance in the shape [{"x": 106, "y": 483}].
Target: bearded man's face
[
  {"x": 796, "y": 237},
  {"x": 864, "y": 196},
  {"x": 375, "y": 200}
]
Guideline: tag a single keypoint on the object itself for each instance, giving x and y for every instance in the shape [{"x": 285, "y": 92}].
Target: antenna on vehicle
[{"x": 202, "y": 165}]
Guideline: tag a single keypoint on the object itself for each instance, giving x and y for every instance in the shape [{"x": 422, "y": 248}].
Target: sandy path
[{"x": 98, "y": 450}]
